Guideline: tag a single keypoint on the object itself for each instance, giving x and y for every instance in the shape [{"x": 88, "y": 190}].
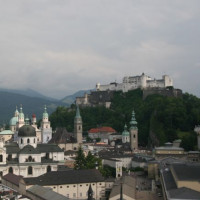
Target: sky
[{"x": 60, "y": 47}]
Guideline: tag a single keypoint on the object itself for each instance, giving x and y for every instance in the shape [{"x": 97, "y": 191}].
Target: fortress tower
[{"x": 133, "y": 133}]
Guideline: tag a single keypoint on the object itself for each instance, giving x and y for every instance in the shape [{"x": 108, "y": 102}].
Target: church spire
[
  {"x": 45, "y": 114},
  {"x": 133, "y": 121},
  {"x": 77, "y": 112}
]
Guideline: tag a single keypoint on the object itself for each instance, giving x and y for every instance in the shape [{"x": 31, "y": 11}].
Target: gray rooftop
[
  {"x": 45, "y": 193},
  {"x": 66, "y": 177},
  {"x": 189, "y": 172}
]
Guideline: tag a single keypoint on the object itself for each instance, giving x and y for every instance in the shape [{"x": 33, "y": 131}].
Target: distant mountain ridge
[
  {"x": 28, "y": 92},
  {"x": 31, "y": 101},
  {"x": 9, "y": 101}
]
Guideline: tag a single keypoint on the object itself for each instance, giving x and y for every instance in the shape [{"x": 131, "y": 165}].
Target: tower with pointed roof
[
  {"x": 78, "y": 129},
  {"x": 46, "y": 130},
  {"x": 20, "y": 117},
  {"x": 125, "y": 135},
  {"x": 133, "y": 132},
  {"x": 14, "y": 120}
]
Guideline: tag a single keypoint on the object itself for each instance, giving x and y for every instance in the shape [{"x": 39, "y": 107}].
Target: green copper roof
[
  {"x": 21, "y": 114},
  {"x": 45, "y": 114},
  {"x": 125, "y": 132},
  {"x": 27, "y": 121},
  {"x": 77, "y": 112},
  {"x": 13, "y": 121},
  {"x": 133, "y": 121}
]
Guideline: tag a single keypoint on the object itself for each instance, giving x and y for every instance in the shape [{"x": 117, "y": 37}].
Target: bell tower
[
  {"x": 78, "y": 129},
  {"x": 133, "y": 132}
]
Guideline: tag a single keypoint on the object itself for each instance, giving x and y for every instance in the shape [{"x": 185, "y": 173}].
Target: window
[
  {"x": 134, "y": 136},
  {"x": 74, "y": 185},
  {"x": 80, "y": 185},
  {"x": 74, "y": 194},
  {"x": 21, "y": 141},
  {"x": 10, "y": 170},
  {"x": 30, "y": 170},
  {"x": 28, "y": 140},
  {"x": 48, "y": 168},
  {"x": 81, "y": 194},
  {"x": 30, "y": 159},
  {"x": 60, "y": 186},
  {"x": 1, "y": 158},
  {"x": 68, "y": 186},
  {"x": 34, "y": 140},
  {"x": 47, "y": 155}
]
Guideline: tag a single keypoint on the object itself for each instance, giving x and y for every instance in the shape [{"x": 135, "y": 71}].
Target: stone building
[
  {"x": 73, "y": 184},
  {"x": 69, "y": 141},
  {"x": 27, "y": 157},
  {"x": 133, "y": 82},
  {"x": 44, "y": 133}
]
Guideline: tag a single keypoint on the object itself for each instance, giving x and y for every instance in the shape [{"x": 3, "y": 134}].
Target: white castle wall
[{"x": 134, "y": 82}]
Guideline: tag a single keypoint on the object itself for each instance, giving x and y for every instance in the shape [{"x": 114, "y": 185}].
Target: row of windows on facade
[
  {"x": 29, "y": 159},
  {"x": 28, "y": 141},
  {"x": 75, "y": 185},
  {"x": 80, "y": 194},
  {"x": 30, "y": 170}
]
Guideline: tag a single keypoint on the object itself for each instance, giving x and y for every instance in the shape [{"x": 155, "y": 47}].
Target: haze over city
[{"x": 60, "y": 47}]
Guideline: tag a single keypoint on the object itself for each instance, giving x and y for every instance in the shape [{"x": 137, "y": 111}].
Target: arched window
[
  {"x": 10, "y": 170},
  {"x": 1, "y": 158},
  {"x": 21, "y": 141},
  {"x": 34, "y": 140},
  {"x": 48, "y": 168},
  {"x": 30, "y": 170},
  {"x": 28, "y": 140},
  {"x": 134, "y": 135},
  {"x": 47, "y": 155},
  {"x": 30, "y": 159},
  {"x": 79, "y": 128}
]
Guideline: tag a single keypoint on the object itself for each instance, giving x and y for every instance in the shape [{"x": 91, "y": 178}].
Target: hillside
[
  {"x": 160, "y": 119},
  {"x": 9, "y": 101},
  {"x": 71, "y": 98}
]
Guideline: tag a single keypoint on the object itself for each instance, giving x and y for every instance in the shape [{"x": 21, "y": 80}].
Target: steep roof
[
  {"x": 62, "y": 136},
  {"x": 102, "y": 130},
  {"x": 66, "y": 177},
  {"x": 12, "y": 178}
]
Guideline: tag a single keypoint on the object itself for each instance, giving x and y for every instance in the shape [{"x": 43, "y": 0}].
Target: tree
[{"x": 80, "y": 161}]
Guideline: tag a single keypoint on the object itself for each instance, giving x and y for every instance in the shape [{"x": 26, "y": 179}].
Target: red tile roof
[
  {"x": 12, "y": 178},
  {"x": 102, "y": 129}
]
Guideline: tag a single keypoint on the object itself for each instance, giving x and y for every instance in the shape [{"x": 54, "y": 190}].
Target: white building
[
  {"x": 134, "y": 82},
  {"x": 28, "y": 158},
  {"x": 44, "y": 133}
]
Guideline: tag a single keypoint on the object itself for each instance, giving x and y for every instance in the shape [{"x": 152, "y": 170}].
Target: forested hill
[{"x": 160, "y": 119}]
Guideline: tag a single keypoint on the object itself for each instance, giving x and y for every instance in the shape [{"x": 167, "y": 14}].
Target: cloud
[{"x": 59, "y": 47}]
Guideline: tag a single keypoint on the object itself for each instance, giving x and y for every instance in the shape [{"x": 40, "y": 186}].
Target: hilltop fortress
[
  {"x": 104, "y": 93},
  {"x": 134, "y": 82}
]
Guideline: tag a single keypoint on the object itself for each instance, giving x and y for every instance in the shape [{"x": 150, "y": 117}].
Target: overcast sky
[{"x": 58, "y": 47}]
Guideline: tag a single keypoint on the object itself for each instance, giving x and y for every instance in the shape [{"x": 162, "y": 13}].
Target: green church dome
[
  {"x": 13, "y": 121},
  {"x": 45, "y": 114},
  {"x": 125, "y": 132}
]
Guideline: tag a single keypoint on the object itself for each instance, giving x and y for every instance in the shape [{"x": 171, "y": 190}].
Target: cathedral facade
[
  {"x": 44, "y": 133},
  {"x": 26, "y": 156}
]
